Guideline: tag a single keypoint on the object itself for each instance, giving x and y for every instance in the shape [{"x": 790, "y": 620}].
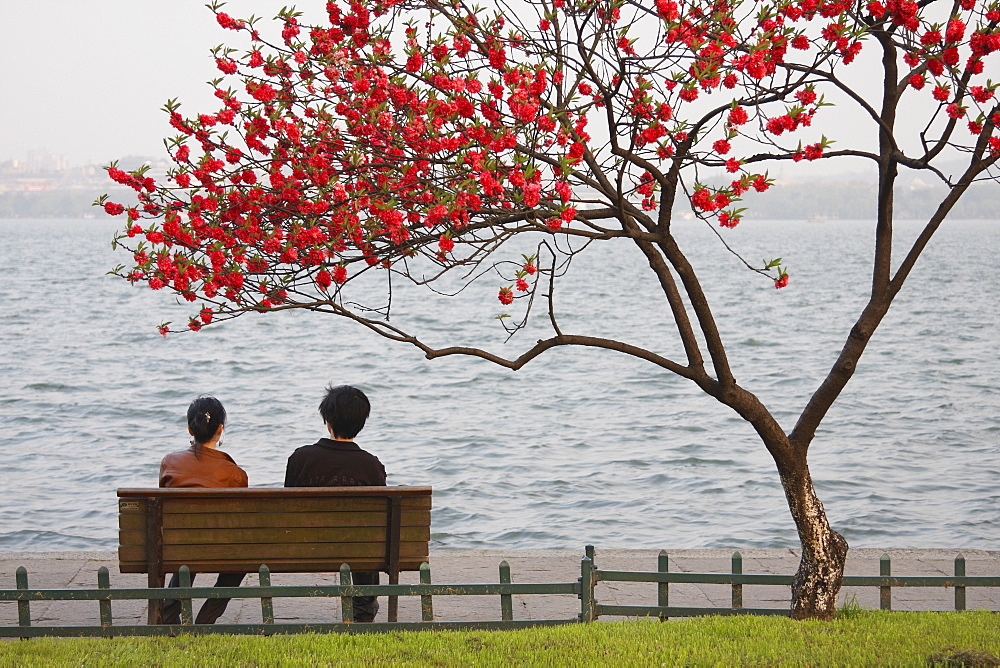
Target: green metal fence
[
  {"x": 266, "y": 593},
  {"x": 584, "y": 588},
  {"x": 663, "y": 577}
]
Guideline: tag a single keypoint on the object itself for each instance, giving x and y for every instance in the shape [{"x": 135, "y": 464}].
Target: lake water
[{"x": 580, "y": 446}]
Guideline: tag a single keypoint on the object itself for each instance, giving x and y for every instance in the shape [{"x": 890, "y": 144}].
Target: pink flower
[{"x": 531, "y": 194}]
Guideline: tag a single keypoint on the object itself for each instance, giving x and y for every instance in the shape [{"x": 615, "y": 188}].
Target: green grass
[{"x": 867, "y": 638}]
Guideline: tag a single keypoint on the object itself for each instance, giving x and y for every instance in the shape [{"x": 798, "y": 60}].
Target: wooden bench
[{"x": 290, "y": 529}]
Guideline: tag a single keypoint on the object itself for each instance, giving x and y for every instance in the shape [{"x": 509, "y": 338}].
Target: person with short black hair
[
  {"x": 338, "y": 461},
  {"x": 202, "y": 465}
]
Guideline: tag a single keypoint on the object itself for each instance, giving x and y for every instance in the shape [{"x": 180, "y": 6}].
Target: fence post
[
  {"x": 184, "y": 577},
  {"x": 104, "y": 582},
  {"x": 587, "y": 590},
  {"x": 960, "y": 589},
  {"x": 346, "y": 604},
  {"x": 663, "y": 588},
  {"x": 737, "y": 588},
  {"x": 506, "y": 604},
  {"x": 23, "y": 607},
  {"x": 426, "y": 601},
  {"x": 885, "y": 592},
  {"x": 266, "y": 602}
]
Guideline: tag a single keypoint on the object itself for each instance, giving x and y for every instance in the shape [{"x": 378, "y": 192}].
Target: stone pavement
[{"x": 63, "y": 570}]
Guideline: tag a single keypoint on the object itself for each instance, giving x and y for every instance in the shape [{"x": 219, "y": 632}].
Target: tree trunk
[{"x": 824, "y": 551}]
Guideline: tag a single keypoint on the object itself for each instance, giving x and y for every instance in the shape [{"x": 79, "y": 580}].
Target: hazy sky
[{"x": 88, "y": 79}]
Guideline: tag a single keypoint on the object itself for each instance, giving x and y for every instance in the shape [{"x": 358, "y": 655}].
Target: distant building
[{"x": 41, "y": 161}]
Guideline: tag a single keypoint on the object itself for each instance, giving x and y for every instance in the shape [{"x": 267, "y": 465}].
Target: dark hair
[
  {"x": 205, "y": 416},
  {"x": 345, "y": 409}
]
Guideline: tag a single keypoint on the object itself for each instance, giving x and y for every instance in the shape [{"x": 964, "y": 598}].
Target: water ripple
[{"x": 581, "y": 446}]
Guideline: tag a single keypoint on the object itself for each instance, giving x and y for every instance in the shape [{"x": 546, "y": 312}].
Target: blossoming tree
[{"x": 419, "y": 137}]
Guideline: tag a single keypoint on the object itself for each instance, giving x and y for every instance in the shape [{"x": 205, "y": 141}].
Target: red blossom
[
  {"x": 806, "y": 96},
  {"x": 506, "y": 296},
  {"x": 726, "y": 220},
  {"x": 113, "y": 209},
  {"x": 813, "y": 151},
  {"x": 323, "y": 279},
  {"x": 721, "y": 146},
  {"x": 689, "y": 94},
  {"x": 226, "y": 65},
  {"x": 228, "y": 22},
  {"x": 980, "y": 94},
  {"x": 702, "y": 199},
  {"x": 781, "y": 281},
  {"x": 955, "y": 31},
  {"x": 414, "y": 62},
  {"x": 521, "y": 285}
]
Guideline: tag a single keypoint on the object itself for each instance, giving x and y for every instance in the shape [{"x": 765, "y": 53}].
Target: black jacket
[{"x": 330, "y": 463}]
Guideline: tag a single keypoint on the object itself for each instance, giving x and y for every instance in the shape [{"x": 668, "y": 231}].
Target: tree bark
[{"x": 824, "y": 551}]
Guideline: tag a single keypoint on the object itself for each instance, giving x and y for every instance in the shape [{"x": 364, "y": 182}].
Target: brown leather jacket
[{"x": 209, "y": 468}]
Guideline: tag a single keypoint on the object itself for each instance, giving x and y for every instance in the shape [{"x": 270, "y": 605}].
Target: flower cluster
[{"x": 351, "y": 146}]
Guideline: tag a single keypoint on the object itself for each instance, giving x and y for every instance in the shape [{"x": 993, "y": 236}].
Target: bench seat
[{"x": 290, "y": 529}]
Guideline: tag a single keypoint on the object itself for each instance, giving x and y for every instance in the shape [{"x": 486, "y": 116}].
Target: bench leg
[
  {"x": 393, "y": 600},
  {"x": 154, "y": 611}
]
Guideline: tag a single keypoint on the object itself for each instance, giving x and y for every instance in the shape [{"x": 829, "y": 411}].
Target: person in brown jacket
[{"x": 202, "y": 465}]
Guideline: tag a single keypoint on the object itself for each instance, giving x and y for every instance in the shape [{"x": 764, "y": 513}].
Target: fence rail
[
  {"x": 585, "y": 588},
  {"x": 885, "y": 581}
]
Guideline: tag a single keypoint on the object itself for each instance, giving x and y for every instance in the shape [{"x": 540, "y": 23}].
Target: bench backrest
[{"x": 291, "y": 529}]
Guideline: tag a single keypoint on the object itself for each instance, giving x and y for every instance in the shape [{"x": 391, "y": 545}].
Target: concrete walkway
[{"x": 63, "y": 570}]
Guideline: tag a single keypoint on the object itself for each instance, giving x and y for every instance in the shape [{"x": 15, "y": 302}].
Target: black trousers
[
  {"x": 365, "y": 607},
  {"x": 211, "y": 610}
]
